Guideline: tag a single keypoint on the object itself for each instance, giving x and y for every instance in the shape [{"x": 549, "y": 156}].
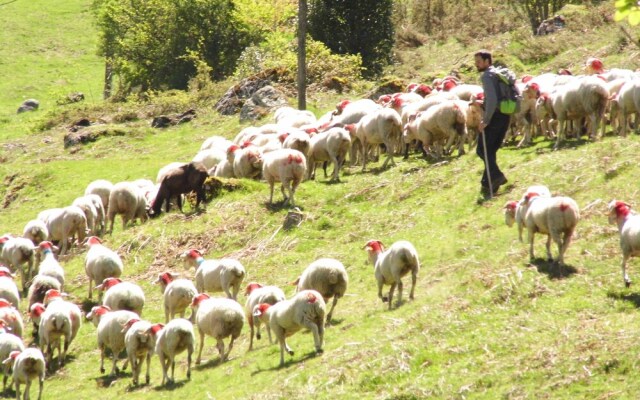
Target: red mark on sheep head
[
  {"x": 282, "y": 137},
  {"x": 109, "y": 283},
  {"x": 155, "y": 328},
  {"x": 564, "y": 207},
  {"x": 36, "y": 310},
  {"x": 4, "y": 239},
  {"x": 251, "y": 287},
  {"x": 130, "y": 323},
  {"x": 45, "y": 246},
  {"x": 448, "y": 85},
  {"x": 526, "y": 78},
  {"x": 4, "y": 303},
  {"x": 14, "y": 354},
  {"x": 165, "y": 278},
  {"x": 530, "y": 195},
  {"x": 397, "y": 102},
  {"x": 511, "y": 205},
  {"x": 260, "y": 309},
  {"x": 595, "y": 64},
  {"x": 246, "y": 144},
  {"x": 385, "y": 98},
  {"x": 412, "y": 86},
  {"x": 199, "y": 298},
  {"x": 621, "y": 208},
  {"x": 340, "y": 106},
  {"x": 375, "y": 246},
  {"x": 424, "y": 90},
  {"x": 4, "y": 271},
  {"x": 99, "y": 310},
  {"x": 232, "y": 149},
  {"x": 193, "y": 254},
  {"x": 311, "y": 130},
  {"x": 93, "y": 240},
  {"x": 52, "y": 294},
  {"x": 311, "y": 298}
]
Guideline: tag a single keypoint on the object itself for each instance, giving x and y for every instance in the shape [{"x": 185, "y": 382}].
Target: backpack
[{"x": 508, "y": 94}]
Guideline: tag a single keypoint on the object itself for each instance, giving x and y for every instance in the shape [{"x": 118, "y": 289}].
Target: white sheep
[
  {"x": 176, "y": 337},
  {"x": 514, "y": 210},
  {"x": 49, "y": 265},
  {"x": 15, "y": 252},
  {"x": 225, "y": 274},
  {"x": 120, "y": 295},
  {"x": 177, "y": 294},
  {"x": 391, "y": 265},
  {"x": 101, "y": 263},
  {"x": 584, "y": 97},
  {"x": 351, "y": 112},
  {"x": 210, "y": 157},
  {"x": 55, "y": 323},
  {"x": 66, "y": 224},
  {"x": 140, "y": 344},
  {"x": 466, "y": 91},
  {"x": 12, "y": 317},
  {"x": 247, "y": 163},
  {"x": 8, "y": 287},
  {"x": 442, "y": 125},
  {"x": 223, "y": 170},
  {"x": 216, "y": 142},
  {"x": 102, "y": 188},
  {"x": 110, "y": 333},
  {"x": 379, "y": 127},
  {"x": 218, "y": 318},
  {"x": 100, "y": 210},
  {"x": 8, "y": 344},
  {"x": 286, "y": 166},
  {"x": 36, "y": 231},
  {"x": 304, "y": 310},
  {"x": 289, "y": 116},
  {"x": 28, "y": 365},
  {"x": 297, "y": 140},
  {"x": 326, "y": 276},
  {"x": 257, "y": 294},
  {"x": 128, "y": 200},
  {"x": 624, "y": 105},
  {"x": 90, "y": 212},
  {"x": 628, "y": 222},
  {"x": 555, "y": 217},
  {"x": 332, "y": 146}
]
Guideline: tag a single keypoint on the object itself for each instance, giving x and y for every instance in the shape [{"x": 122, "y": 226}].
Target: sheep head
[
  {"x": 251, "y": 287},
  {"x": 618, "y": 210},
  {"x": 510, "y": 212}
]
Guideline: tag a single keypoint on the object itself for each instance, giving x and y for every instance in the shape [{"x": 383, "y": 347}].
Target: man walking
[{"x": 493, "y": 127}]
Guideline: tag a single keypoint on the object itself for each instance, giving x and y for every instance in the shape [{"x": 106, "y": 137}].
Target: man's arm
[{"x": 490, "y": 96}]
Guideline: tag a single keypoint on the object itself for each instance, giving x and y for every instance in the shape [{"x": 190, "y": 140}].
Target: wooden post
[{"x": 302, "y": 49}]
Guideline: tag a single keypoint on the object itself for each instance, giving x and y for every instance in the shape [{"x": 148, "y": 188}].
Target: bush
[
  {"x": 279, "y": 52},
  {"x": 157, "y": 44}
]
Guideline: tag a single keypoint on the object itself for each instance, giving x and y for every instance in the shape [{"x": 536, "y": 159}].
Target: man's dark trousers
[{"x": 494, "y": 135}]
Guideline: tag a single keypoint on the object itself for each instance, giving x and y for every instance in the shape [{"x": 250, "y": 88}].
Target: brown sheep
[{"x": 185, "y": 179}]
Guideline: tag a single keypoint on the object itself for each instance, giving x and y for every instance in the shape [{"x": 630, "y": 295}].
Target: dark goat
[{"x": 185, "y": 179}]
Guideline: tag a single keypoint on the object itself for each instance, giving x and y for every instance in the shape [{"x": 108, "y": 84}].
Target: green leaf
[
  {"x": 620, "y": 15},
  {"x": 634, "y": 17}
]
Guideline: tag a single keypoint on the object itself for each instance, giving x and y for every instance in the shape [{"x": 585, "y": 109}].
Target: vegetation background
[{"x": 486, "y": 323}]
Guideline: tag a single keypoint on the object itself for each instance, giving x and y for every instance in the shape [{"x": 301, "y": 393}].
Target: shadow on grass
[
  {"x": 87, "y": 305},
  {"x": 214, "y": 362},
  {"x": 279, "y": 206},
  {"x": 553, "y": 269},
  {"x": 288, "y": 363},
  {"x": 633, "y": 298},
  {"x": 334, "y": 322},
  {"x": 55, "y": 364},
  {"x": 106, "y": 381},
  {"x": 171, "y": 386}
]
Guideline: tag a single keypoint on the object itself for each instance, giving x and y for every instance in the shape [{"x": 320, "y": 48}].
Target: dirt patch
[{"x": 13, "y": 186}]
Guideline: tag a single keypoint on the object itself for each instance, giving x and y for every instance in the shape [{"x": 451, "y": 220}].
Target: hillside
[{"x": 485, "y": 323}]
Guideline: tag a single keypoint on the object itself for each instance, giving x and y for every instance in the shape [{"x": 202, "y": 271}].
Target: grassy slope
[{"x": 485, "y": 322}]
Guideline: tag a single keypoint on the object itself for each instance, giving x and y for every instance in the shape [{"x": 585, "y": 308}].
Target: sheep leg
[
  {"x": 102, "y": 359},
  {"x": 41, "y": 385},
  {"x": 269, "y": 334},
  {"x": 189, "y": 354},
  {"x": 134, "y": 368},
  {"x": 414, "y": 278},
  {"x": 365, "y": 151},
  {"x": 114, "y": 367},
  {"x": 90, "y": 288},
  {"x": 226, "y": 357},
  {"x": 531, "y": 236},
  {"x": 548, "y": 246},
  {"x": 64, "y": 350},
  {"x": 562, "y": 131},
  {"x": 393, "y": 287},
  {"x": 172, "y": 360},
  {"x": 18, "y": 390},
  {"x": 625, "y": 259},
  {"x": 201, "y": 346},
  {"x": 166, "y": 313},
  {"x": 251, "y": 327},
  {"x": 383, "y": 298},
  {"x": 310, "y": 325},
  {"x": 164, "y": 364},
  {"x": 147, "y": 376},
  {"x": 336, "y": 168},
  {"x": 400, "y": 288},
  {"x": 126, "y": 360},
  {"x": 333, "y": 304},
  {"x": 271, "y": 184}
]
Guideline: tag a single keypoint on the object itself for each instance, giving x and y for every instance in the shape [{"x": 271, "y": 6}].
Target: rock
[
  {"x": 81, "y": 123},
  {"x": 164, "y": 121},
  {"x": 29, "y": 105},
  {"x": 74, "y": 97},
  {"x": 232, "y": 101},
  {"x": 262, "y": 103},
  {"x": 91, "y": 134},
  {"x": 387, "y": 86}
]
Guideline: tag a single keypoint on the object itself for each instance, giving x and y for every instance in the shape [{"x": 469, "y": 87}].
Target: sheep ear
[
  {"x": 295, "y": 283},
  {"x": 257, "y": 313},
  {"x": 7, "y": 361}
]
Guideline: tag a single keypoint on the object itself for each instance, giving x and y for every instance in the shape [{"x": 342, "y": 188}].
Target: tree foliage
[
  {"x": 360, "y": 27},
  {"x": 156, "y": 44},
  {"x": 629, "y": 9},
  {"x": 538, "y": 10}
]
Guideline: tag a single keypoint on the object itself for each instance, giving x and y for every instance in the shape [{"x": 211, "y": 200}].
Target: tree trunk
[
  {"x": 108, "y": 79},
  {"x": 302, "y": 52}
]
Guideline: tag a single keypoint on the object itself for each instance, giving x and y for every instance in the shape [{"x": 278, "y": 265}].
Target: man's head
[{"x": 483, "y": 60}]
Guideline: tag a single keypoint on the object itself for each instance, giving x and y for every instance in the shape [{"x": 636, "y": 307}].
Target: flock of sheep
[{"x": 287, "y": 151}]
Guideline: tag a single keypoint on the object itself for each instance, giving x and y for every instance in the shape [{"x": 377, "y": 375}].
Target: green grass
[{"x": 486, "y": 323}]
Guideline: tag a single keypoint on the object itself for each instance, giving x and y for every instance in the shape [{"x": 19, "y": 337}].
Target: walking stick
[{"x": 486, "y": 164}]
